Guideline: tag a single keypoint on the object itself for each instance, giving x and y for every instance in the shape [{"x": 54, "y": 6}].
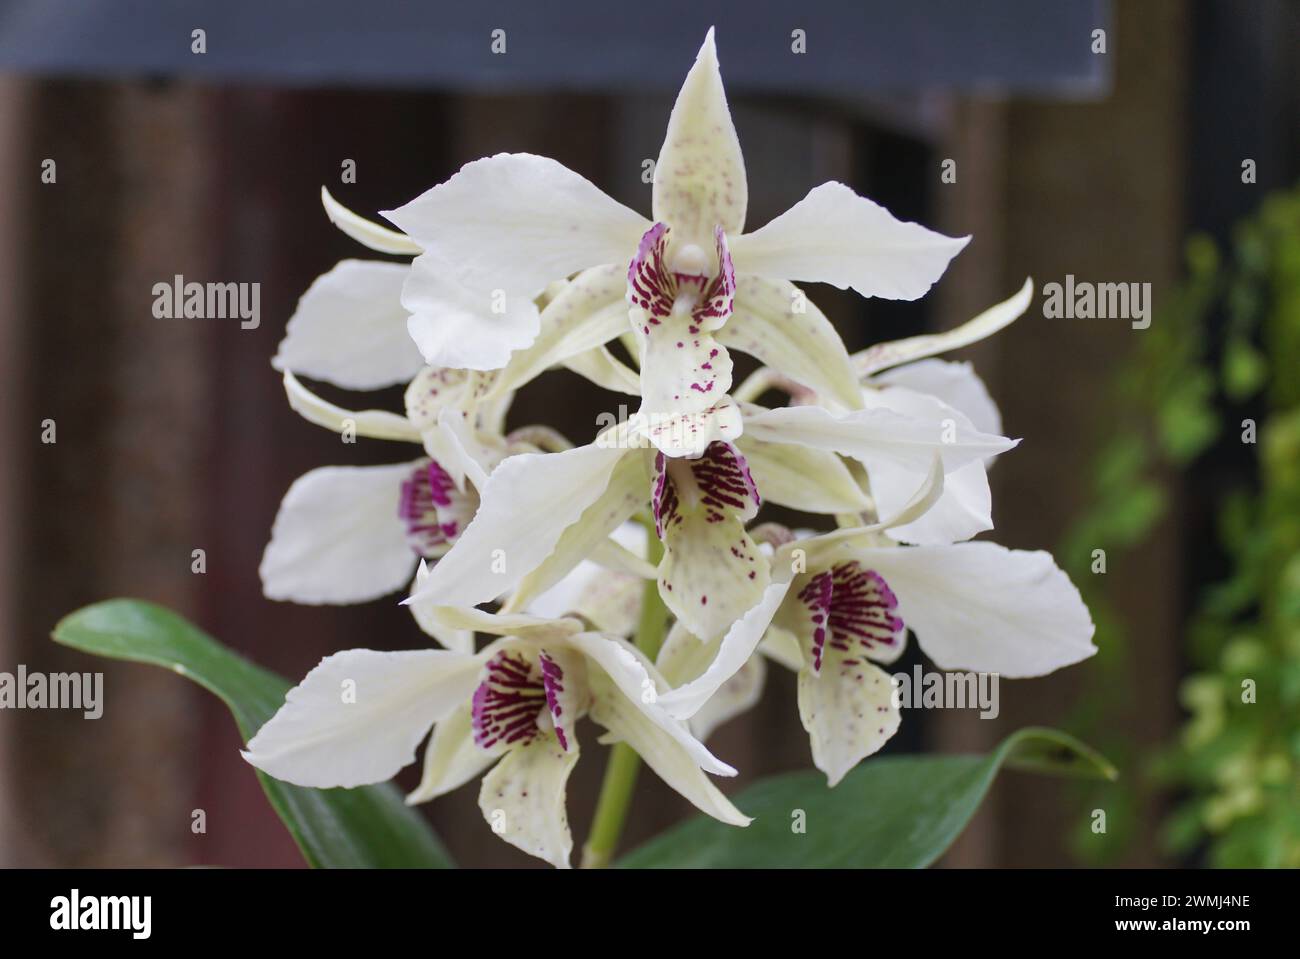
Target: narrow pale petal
[
  {"x": 623, "y": 496},
  {"x": 358, "y": 716},
  {"x": 606, "y": 371},
  {"x": 712, "y": 571},
  {"x": 587, "y": 314},
  {"x": 802, "y": 478},
  {"x": 527, "y": 503},
  {"x": 350, "y": 329},
  {"x": 835, "y": 236},
  {"x": 776, "y": 323},
  {"x": 376, "y": 237},
  {"x": 983, "y": 607},
  {"x": 849, "y": 713},
  {"x": 884, "y": 355},
  {"x": 872, "y": 434},
  {"x": 451, "y": 759},
  {"x": 431, "y": 624},
  {"x": 956, "y": 384},
  {"x": 683, "y": 658},
  {"x": 337, "y": 537},
  {"x": 459, "y": 326},
  {"x": 522, "y": 799},
  {"x": 699, "y": 180},
  {"x": 373, "y": 424},
  {"x": 516, "y": 222}
]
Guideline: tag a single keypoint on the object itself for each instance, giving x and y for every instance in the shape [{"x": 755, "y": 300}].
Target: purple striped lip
[
  {"x": 849, "y": 607},
  {"x": 507, "y": 702},
  {"x": 655, "y": 288},
  {"x": 427, "y": 489},
  {"x": 719, "y": 479}
]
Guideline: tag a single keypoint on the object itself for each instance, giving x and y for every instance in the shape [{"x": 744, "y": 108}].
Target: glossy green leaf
[
  {"x": 894, "y": 811},
  {"x": 368, "y": 826}
]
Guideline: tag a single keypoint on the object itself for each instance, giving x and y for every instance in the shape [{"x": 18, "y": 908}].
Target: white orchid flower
[
  {"x": 508, "y": 225},
  {"x": 841, "y": 603},
  {"x": 508, "y": 713}
]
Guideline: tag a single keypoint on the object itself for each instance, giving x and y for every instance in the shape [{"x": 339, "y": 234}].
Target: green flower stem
[{"x": 621, "y": 770}]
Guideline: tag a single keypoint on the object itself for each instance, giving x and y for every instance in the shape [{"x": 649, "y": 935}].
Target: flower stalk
[{"x": 621, "y": 771}]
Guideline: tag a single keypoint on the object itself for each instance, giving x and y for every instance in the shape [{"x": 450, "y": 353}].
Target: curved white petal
[
  {"x": 983, "y": 607},
  {"x": 431, "y": 624},
  {"x": 338, "y": 538},
  {"x": 463, "y": 327},
  {"x": 587, "y": 314},
  {"x": 879, "y": 433},
  {"x": 699, "y": 179},
  {"x": 516, "y": 222},
  {"x": 451, "y": 759},
  {"x": 522, "y": 799},
  {"x": 956, "y": 384},
  {"x": 884, "y": 355},
  {"x": 527, "y": 503},
  {"x": 358, "y": 716},
  {"x": 849, "y": 712},
  {"x": 775, "y": 322},
  {"x": 350, "y": 329},
  {"x": 606, "y": 371},
  {"x": 802, "y": 478},
  {"x": 683, "y": 657},
  {"x": 835, "y": 236},
  {"x": 374, "y": 424},
  {"x": 376, "y": 237}
]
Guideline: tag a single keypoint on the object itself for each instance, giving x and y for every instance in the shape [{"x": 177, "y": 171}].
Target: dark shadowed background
[{"x": 174, "y": 434}]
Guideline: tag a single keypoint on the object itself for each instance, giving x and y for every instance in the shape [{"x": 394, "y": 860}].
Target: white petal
[
  {"x": 877, "y": 433},
  {"x": 685, "y": 434},
  {"x": 527, "y": 503},
  {"x": 884, "y": 355},
  {"x": 378, "y": 238},
  {"x": 515, "y": 222},
  {"x": 983, "y": 607},
  {"x": 337, "y": 537},
  {"x": 849, "y": 712},
  {"x": 640, "y": 684},
  {"x": 602, "y": 368},
  {"x": 374, "y": 424},
  {"x": 451, "y": 759},
  {"x": 588, "y": 313},
  {"x": 661, "y": 751},
  {"x": 463, "y": 327},
  {"x": 625, "y": 493},
  {"x": 358, "y": 716},
  {"x": 426, "y": 617},
  {"x": 775, "y": 322},
  {"x": 699, "y": 179},
  {"x": 522, "y": 799},
  {"x": 802, "y": 478},
  {"x": 835, "y": 236},
  {"x": 683, "y": 658},
  {"x": 956, "y": 384},
  {"x": 350, "y": 329}
]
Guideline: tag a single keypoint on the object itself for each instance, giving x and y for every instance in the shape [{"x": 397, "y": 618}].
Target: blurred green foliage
[{"x": 1235, "y": 770}]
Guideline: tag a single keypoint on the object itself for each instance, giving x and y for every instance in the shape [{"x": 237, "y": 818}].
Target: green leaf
[
  {"x": 365, "y": 827},
  {"x": 891, "y": 812}
]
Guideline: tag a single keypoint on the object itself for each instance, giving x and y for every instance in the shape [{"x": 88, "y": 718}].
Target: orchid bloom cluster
[{"x": 531, "y": 560}]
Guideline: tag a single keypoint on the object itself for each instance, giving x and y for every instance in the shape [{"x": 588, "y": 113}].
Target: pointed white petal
[
  {"x": 522, "y": 799},
  {"x": 451, "y": 759},
  {"x": 587, "y": 314},
  {"x": 527, "y": 503},
  {"x": 955, "y": 384},
  {"x": 350, "y": 329},
  {"x": 606, "y": 371},
  {"x": 699, "y": 179},
  {"x": 625, "y": 493},
  {"x": 849, "y": 712},
  {"x": 683, "y": 658},
  {"x": 884, "y": 355},
  {"x": 378, "y": 238},
  {"x": 983, "y": 607},
  {"x": 463, "y": 327},
  {"x": 374, "y": 424},
  {"x": 835, "y": 236},
  {"x": 358, "y": 716},
  {"x": 338, "y": 538},
  {"x": 516, "y": 222},
  {"x": 426, "y": 617},
  {"x": 775, "y": 322},
  {"x": 872, "y": 434},
  {"x": 802, "y": 478}
]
